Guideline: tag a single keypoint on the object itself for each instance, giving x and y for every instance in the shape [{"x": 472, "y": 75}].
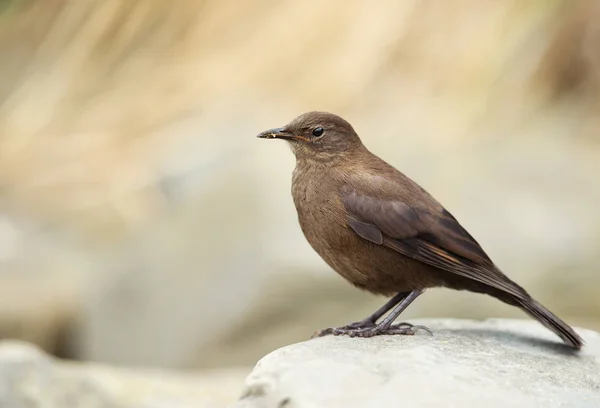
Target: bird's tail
[
  {"x": 511, "y": 293},
  {"x": 520, "y": 298},
  {"x": 550, "y": 320}
]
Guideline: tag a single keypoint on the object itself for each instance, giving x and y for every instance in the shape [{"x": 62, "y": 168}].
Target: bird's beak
[{"x": 280, "y": 133}]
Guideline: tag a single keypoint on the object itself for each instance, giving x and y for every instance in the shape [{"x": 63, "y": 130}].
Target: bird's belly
[{"x": 366, "y": 265}]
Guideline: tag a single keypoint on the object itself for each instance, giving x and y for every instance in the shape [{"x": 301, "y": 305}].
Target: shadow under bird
[{"x": 384, "y": 233}]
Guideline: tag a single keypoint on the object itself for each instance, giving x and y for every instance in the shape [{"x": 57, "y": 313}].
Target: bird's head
[{"x": 318, "y": 135}]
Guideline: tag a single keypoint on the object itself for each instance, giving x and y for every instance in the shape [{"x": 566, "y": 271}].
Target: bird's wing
[{"x": 428, "y": 235}]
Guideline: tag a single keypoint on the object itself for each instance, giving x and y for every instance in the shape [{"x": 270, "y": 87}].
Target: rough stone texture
[
  {"x": 495, "y": 363},
  {"x": 31, "y": 379}
]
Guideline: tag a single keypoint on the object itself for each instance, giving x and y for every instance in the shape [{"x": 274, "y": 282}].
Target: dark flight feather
[{"x": 437, "y": 239}]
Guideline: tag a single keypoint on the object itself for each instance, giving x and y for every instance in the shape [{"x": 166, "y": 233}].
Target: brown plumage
[{"x": 384, "y": 233}]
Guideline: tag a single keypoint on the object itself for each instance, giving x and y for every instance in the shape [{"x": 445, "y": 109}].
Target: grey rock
[
  {"x": 30, "y": 378},
  {"x": 495, "y": 363}
]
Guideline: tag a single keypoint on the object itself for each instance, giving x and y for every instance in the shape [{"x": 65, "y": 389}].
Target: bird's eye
[{"x": 318, "y": 131}]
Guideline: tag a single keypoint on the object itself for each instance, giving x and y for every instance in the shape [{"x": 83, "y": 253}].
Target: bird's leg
[
  {"x": 371, "y": 320},
  {"x": 386, "y": 327},
  {"x": 367, "y": 322}
]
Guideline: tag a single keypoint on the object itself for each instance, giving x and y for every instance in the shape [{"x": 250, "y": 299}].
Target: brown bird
[{"x": 384, "y": 233}]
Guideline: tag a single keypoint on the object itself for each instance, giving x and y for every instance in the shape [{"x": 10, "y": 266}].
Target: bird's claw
[
  {"x": 413, "y": 328},
  {"x": 353, "y": 330},
  {"x": 362, "y": 325}
]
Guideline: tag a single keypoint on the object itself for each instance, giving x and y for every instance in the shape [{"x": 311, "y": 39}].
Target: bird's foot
[
  {"x": 362, "y": 325},
  {"x": 405, "y": 329}
]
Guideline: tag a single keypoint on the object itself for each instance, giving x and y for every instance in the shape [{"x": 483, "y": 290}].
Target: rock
[
  {"x": 152, "y": 302},
  {"x": 31, "y": 379},
  {"x": 495, "y": 363}
]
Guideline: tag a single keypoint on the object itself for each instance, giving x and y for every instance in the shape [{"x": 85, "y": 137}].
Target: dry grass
[{"x": 90, "y": 91}]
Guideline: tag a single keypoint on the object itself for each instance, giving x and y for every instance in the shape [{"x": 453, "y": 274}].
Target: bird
[{"x": 384, "y": 233}]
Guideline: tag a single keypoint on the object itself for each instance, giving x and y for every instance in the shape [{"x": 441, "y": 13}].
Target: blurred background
[{"x": 142, "y": 224}]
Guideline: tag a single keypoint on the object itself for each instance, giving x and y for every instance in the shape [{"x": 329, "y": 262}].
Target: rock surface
[
  {"x": 31, "y": 379},
  {"x": 495, "y": 363}
]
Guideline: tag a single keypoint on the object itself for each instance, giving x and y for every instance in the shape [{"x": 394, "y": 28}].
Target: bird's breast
[
  {"x": 321, "y": 213},
  {"x": 322, "y": 218}
]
